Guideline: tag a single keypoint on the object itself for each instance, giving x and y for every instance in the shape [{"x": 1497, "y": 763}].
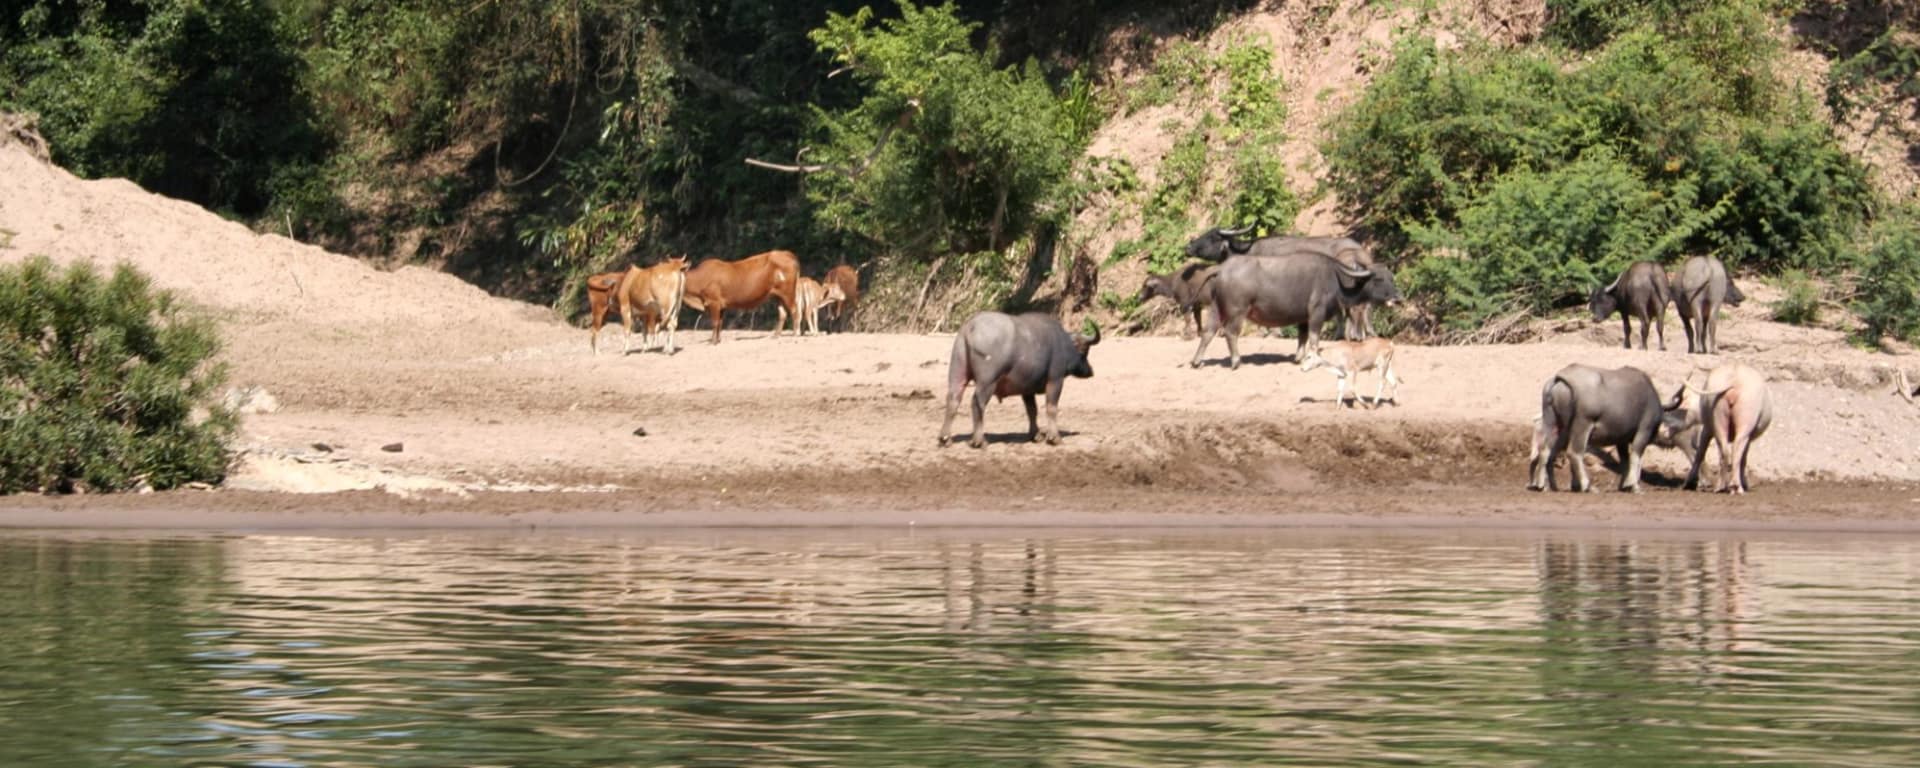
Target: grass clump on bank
[{"x": 105, "y": 384}]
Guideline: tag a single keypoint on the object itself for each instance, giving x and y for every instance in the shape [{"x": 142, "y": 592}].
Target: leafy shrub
[
  {"x": 1888, "y": 287},
  {"x": 99, "y": 383},
  {"x": 1536, "y": 240},
  {"x": 1536, "y": 175},
  {"x": 1799, "y": 302},
  {"x": 944, "y": 152}
]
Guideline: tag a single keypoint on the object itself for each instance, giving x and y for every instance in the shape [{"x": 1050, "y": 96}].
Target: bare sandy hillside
[{"x": 482, "y": 394}]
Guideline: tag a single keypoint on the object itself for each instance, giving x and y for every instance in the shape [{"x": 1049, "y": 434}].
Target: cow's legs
[
  {"x": 1033, "y": 416},
  {"x": 980, "y": 395},
  {"x": 1630, "y": 454},
  {"x": 1550, "y": 441},
  {"x": 1713, "y": 331},
  {"x": 1053, "y": 410},
  {"x": 1626, "y": 331},
  {"x": 716, "y": 315},
  {"x": 1578, "y": 434},
  {"x": 1740, "y": 446},
  {"x": 1197, "y": 324},
  {"x": 1660, "y": 325},
  {"x": 1206, "y": 337},
  {"x": 1233, "y": 344},
  {"x": 1340, "y": 388},
  {"x": 1699, "y": 452},
  {"x": 1309, "y": 339}
]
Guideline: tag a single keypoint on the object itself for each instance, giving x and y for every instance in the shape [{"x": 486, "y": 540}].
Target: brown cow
[
  {"x": 652, "y": 296},
  {"x": 811, "y": 298},
  {"x": 716, "y": 286},
  {"x": 848, "y": 279},
  {"x": 600, "y": 297}
]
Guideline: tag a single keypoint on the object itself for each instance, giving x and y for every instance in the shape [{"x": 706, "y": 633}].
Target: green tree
[
  {"x": 944, "y": 153},
  {"x": 104, "y": 383}
]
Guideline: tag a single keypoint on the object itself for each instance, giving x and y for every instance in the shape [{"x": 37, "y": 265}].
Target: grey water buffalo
[
  {"x": 1733, "y": 410},
  {"x": 1302, "y": 289},
  {"x": 1641, "y": 291},
  {"x": 1218, "y": 244},
  {"x": 1702, "y": 287},
  {"x": 1004, "y": 355},
  {"x": 1187, "y": 287},
  {"x": 1582, "y": 407}
]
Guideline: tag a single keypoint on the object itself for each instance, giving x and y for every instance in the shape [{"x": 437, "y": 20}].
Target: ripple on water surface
[{"x": 1040, "y": 649}]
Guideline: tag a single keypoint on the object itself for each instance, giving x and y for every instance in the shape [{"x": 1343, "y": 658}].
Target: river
[{"x": 962, "y": 648}]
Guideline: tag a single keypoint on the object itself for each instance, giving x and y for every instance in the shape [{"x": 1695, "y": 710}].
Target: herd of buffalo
[{"x": 1302, "y": 282}]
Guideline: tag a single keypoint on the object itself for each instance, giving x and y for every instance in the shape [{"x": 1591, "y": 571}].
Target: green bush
[
  {"x": 100, "y": 381},
  {"x": 1536, "y": 174},
  {"x": 1888, "y": 286},
  {"x": 1799, "y": 302}
]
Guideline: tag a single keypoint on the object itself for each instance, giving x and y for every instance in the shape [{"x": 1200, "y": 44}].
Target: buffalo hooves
[
  {"x": 1535, "y": 488},
  {"x": 1053, "y": 438},
  {"x": 978, "y": 442},
  {"x": 941, "y": 441}
]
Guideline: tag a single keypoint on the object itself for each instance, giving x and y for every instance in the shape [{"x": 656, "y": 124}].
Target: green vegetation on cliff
[{"x": 520, "y": 143}]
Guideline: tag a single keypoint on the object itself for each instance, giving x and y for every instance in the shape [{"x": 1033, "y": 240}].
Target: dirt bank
[{"x": 497, "y": 408}]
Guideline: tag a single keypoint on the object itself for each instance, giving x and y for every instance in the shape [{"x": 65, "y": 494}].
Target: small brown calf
[
  {"x": 1348, "y": 358},
  {"x": 811, "y": 297}
]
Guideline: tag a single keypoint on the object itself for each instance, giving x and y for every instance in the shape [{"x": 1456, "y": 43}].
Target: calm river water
[{"x": 1060, "y": 648}]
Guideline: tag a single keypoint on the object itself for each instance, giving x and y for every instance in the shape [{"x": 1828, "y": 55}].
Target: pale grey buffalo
[
  {"x": 1004, "y": 355},
  {"x": 1642, "y": 292},
  {"x": 1219, "y": 244},
  {"x": 1582, "y": 407},
  {"x": 1703, "y": 286},
  {"x": 1301, "y": 289},
  {"x": 1186, "y": 286}
]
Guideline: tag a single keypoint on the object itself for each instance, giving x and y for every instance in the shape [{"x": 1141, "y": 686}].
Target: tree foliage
[
  {"x": 944, "y": 152},
  {"x": 1535, "y": 175},
  {"x": 100, "y": 381}
]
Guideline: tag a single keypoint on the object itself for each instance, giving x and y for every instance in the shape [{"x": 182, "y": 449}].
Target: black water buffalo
[
  {"x": 1642, "y": 292},
  {"x": 1583, "y": 407},
  {"x": 1218, "y": 244},
  {"x": 1006, "y": 355},
  {"x": 1301, "y": 289},
  {"x": 1703, "y": 287},
  {"x": 1186, "y": 286}
]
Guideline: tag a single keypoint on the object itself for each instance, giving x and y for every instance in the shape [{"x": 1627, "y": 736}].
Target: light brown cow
[
  {"x": 716, "y": 286},
  {"x": 848, "y": 280},
  {"x": 1734, "y": 409},
  {"x": 600, "y": 298},
  {"x": 812, "y": 297},
  {"x": 652, "y": 296},
  {"x": 1347, "y": 359}
]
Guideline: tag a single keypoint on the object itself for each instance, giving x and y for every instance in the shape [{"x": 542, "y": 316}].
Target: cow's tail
[{"x": 959, "y": 370}]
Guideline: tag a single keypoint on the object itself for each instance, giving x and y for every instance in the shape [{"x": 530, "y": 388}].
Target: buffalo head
[
  {"x": 1155, "y": 285},
  {"x": 1081, "y": 343},
  {"x": 1216, "y": 244},
  {"x": 1602, "y": 302}
]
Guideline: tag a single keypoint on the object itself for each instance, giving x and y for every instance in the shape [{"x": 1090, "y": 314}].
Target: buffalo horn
[
  {"x": 1356, "y": 272},
  {"x": 1237, "y": 232},
  {"x": 1612, "y": 285}
]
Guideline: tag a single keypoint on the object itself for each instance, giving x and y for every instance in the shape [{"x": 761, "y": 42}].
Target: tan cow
[
  {"x": 848, "y": 280},
  {"x": 653, "y": 296},
  {"x": 1347, "y": 359},
  {"x": 600, "y": 298},
  {"x": 812, "y": 297},
  {"x": 716, "y": 286},
  {"x": 1734, "y": 410}
]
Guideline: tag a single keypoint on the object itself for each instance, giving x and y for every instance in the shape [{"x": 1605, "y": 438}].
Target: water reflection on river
[{"x": 1059, "y": 648}]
